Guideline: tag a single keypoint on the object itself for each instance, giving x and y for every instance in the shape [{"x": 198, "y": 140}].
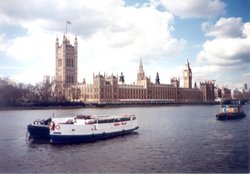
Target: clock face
[{"x": 185, "y": 73}]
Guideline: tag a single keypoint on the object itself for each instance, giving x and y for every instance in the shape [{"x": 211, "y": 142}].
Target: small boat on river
[
  {"x": 82, "y": 128},
  {"x": 230, "y": 112}
]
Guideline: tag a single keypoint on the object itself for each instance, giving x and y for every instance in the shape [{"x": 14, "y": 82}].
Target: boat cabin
[{"x": 231, "y": 108}]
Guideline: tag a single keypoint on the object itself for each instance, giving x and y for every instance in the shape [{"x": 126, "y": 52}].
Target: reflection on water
[{"x": 170, "y": 139}]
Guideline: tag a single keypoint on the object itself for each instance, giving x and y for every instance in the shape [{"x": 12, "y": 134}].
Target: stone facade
[
  {"x": 66, "y": 63},
  {"x": 226, "y": 93},
  {"x": 208, "y": 91},
  {"x": 111, "y": 89}
]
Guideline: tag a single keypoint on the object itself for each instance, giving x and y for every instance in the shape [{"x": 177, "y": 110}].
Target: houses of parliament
[{"x": 113, "y": 89}]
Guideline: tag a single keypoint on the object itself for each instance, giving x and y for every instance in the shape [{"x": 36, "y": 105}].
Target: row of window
[
  {"x": 70, "y": 63},
  {"x": 187, "y": 96},
  {"x": 69, "y": 79},
  {"x": 114, "y": 120},
  {"x": 102, "y": 90},
  {"x": 101, "y": 96},
  {"x": 126, "y": 96},
  {"x": 60, "y": 62},
  {"x": 147, "y": 97},
  {"x": 191, "y": 95},
  {"x": 106, "y": 93},
  {"x": 132, "y": 97}
]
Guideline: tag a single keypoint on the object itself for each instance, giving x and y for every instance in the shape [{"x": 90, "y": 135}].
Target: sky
[{"x": 113, "y": 35}]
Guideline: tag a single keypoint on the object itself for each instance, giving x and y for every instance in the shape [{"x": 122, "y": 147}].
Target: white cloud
[
  {"x": 34, "y": 46},
  {"x": 194, "y": 8},
  {"x": 205, "y": 69},
  {"x": 2, "y": 44},
  {"x": 205, "y": 73},
  {"x": 33, "y": 74},
  {"x": 112, "y": 37},
  {"x": 35, "y": 53},
  {"x": 230, "y": 45},
  {"x": 247, "y": 74},
  {"x": 224, "y": 28},
  {"x": 226, "y": 54}
]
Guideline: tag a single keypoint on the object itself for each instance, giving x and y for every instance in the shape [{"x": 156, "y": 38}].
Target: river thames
[{"x": 177, "y": 139}]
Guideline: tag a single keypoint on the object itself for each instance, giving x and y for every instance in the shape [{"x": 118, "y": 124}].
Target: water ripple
[{"x": 171, "y": 139}]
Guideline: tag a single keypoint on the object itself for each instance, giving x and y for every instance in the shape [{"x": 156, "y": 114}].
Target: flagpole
[
  {"x": 67, "y": 22},
  {"x": 66, "y": 27}
]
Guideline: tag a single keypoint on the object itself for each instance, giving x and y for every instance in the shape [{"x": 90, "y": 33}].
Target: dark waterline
[{"x": 170, "y": 139}]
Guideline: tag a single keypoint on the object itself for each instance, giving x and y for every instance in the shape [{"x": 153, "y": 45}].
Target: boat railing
[
  {"x": 83, "y": 117},
  {"x": 125, "y": 114}
]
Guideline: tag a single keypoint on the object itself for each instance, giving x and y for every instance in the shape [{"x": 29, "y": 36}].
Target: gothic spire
[
  {"x": 157, "y": 79},
  {"x": 57, "y": 41},
  {"x": 195, "y": 85},
  {"x": 140, "y": 66}
]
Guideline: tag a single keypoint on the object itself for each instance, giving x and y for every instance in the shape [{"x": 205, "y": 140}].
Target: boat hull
[
  {"x": 230, "y": 116},
  {"x": 39, "y": 132},
  {"x": 72, "y": 139}
]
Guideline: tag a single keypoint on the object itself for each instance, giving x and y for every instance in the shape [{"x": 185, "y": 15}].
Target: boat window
[
  {"x": 134, "y": 118},
  {"x": 122, "y": 119},
  {"x": 125, "y": 119},
  {"x": 102, "y": 121},
  {"x": 117, "y": 120},
  {"x": 111, "y": 120}
]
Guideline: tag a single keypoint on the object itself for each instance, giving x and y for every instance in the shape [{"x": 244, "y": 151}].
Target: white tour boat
[{"x": 82, "y": 128}]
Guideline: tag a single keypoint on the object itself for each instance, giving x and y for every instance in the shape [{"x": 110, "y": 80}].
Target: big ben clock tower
[{"x": 187, "y": 76}]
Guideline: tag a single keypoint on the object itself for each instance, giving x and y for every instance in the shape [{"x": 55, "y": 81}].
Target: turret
[
  {"x": 175, "y": 82},
  {"x": 157, "y": 79},
  {"x": 195, "y": 86},
  {"x": 75, "y": 43},
  {"x": 57, "y": 42},
  {"x": 121, "y": 78},
  {"x": 64, "y": 39}
]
